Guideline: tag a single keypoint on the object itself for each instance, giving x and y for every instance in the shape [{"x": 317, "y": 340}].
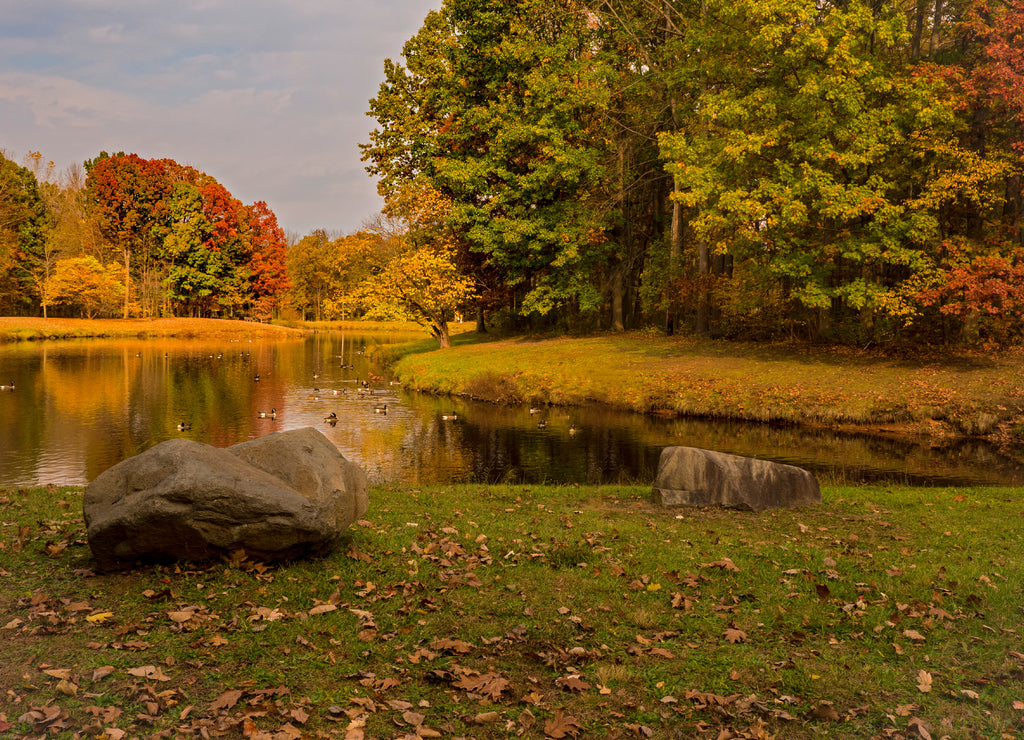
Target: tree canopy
[{"x": 843, "y": 171}]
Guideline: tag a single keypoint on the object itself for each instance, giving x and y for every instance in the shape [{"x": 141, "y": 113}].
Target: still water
[{"x": 80, "y": 406}]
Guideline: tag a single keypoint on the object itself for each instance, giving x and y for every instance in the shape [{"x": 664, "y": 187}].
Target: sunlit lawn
[{"x": 532, "y": 611}]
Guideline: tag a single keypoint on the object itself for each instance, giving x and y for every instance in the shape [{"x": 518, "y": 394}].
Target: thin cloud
[{"x": 268, "y": 97}]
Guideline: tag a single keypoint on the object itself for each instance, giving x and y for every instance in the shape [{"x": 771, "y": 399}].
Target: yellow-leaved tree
[{"x": 417, "y": 277}]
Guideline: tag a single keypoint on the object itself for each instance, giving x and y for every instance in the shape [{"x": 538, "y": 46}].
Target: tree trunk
[
  {"x": 915, "y": 47},
  {"x": 703, "y": 292},
  {"x": 617, "y": 290},
  {"x": 481, "y": 327},
  {"x": 936, "y": 37},
  {"x": 440, "y": 332},
  {"x": 675, "y": 251},
  {"x": 127, "y": 280}
]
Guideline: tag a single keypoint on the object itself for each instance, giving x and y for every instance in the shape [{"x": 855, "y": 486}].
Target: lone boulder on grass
[
  {"x": 690, "y": 476},
  {"x": 280, "y": 496}
]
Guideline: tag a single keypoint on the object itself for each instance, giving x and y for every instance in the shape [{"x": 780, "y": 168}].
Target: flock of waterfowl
[{"x": 363, "y": 389}]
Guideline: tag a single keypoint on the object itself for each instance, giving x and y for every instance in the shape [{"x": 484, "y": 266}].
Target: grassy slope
[
  {"x": 488, "y": 612},
  {"x": 790, "y": 383}
]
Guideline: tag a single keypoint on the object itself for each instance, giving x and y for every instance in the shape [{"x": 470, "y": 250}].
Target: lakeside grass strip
[
  {"x": 495, "y": 611},
  {"x": 753, "y": 382},
  {"x": 21, "y": 328}
]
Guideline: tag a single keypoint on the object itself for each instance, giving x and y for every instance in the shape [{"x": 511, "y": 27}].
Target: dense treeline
[
  {"x": 126, "y": 236},
  {"x": 848, "y": 170}
]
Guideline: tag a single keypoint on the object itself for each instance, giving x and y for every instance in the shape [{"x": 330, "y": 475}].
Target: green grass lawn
[{"x": 533, "y": 611}]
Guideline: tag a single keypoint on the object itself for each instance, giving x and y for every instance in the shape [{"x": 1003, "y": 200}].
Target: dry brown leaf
[
  {"x": 102, "y": 672},
  {"x": 452, "y": 646},
  {"x": 149, "y": 671},
  {"x": 562, "y": 725},
  {"x": 322, "y": 609},
  {"x": 724, "y": 564},
  {"x": 924, "y": 681},
  {"x": 919, "y": 728},
  {"x": 681, "y": 601},
  {"x": 490, "y": 685},
  {"x": 486, "y": 718},
  {"x": 63, "y": 673},
  {"x": 572, "y": 682},
  {"x": 824, "y": 712},
  {"x": 226, "y": 700},
  {"x": 914, "y": 635},
  {"x": 734, "y": 635}
]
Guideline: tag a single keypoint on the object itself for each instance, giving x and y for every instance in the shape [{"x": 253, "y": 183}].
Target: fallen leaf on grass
[
  {"x": 572, "y": 682},
  {"x": 919, "y": 728},
  {"x": 226, "y": 700},
  {"x": 824, "y": 712},
  {"x": 452, "y": 646},
  {"x": 149, "y": 671},
  {"x": 490, "y": 685},
  {"x": 924, "y": 681},
  {"x": 102, "y": 672},
  {"x": 914, "y": 635},
  {"x": 486, "y": 718},
  {"x": 562, "y": 725},
  {"x": 724, "y": 564},
  {"x": 734, "y": 635}
]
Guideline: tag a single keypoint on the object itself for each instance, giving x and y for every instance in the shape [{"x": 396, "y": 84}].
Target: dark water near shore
[{"x": 81, "y": 406}]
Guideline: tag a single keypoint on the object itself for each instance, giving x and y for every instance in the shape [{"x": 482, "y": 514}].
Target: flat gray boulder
[
  {"x": 283, "y": 495},
  {"x": 690, "y": 476}
]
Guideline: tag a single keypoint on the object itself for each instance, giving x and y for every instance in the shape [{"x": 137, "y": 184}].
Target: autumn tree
[
  {"x": 497, "y": 110},
  {"x": 24, "y": 222},
  {"x": 85, "y": 285},
  {"x": 311, "y": 267},
  {"x": 267, "y": 266},
  {"x": 191, "y": 246},
  {"x": 415, "y": 275}
]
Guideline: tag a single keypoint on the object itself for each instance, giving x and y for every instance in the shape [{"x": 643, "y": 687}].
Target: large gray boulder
[
  {"x": 690, "y": 476},
  {"x": 283, "y": 495}
]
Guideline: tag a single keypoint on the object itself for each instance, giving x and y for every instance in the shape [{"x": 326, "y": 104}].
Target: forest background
[{"x": 846, "y": 172}]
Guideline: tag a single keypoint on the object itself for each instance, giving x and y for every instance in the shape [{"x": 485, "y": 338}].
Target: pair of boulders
[
  {"x": 690, "y": 476},
  {"x": 283, "y": 495}
]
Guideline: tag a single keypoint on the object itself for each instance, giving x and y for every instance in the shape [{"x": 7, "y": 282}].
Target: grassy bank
[
  {"x": 778, "y": 383},
  {"x": 488, "y": 612},
  {"x": 378, "y": 327},
  {"x": 20, "y": 328}
]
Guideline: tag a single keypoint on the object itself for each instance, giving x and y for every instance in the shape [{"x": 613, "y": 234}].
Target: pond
[{"x": 80, "y": 406}]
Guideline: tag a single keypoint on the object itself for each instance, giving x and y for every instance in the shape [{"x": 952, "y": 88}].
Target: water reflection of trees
[{"x": 82, "y": 406}]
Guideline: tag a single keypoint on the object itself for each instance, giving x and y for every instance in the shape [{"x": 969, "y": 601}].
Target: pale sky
[{"x": 267, "y": 96}]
